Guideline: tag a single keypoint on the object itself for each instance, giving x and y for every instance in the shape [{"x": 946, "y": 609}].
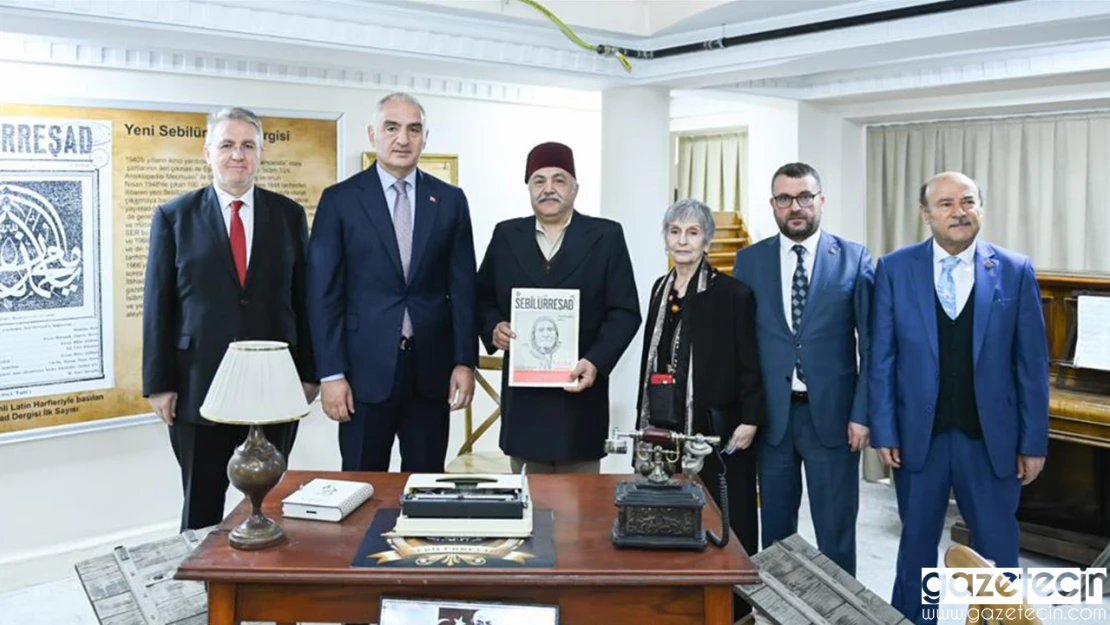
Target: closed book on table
[{"x": 326, "y": 500}]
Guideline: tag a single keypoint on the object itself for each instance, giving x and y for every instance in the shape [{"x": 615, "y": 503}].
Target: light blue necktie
[{"x": 946, "y": 290}]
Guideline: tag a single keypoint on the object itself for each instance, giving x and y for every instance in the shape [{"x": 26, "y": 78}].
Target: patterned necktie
[
  {"x": 402, "y": 225},
  {"x": 799, "y": 290},
  {"x": 946, "y": 289},
  {"x": 238, "y": 241}
]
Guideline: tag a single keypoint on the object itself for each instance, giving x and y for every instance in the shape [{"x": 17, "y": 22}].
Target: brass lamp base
[{"x": 254, "y": 469}]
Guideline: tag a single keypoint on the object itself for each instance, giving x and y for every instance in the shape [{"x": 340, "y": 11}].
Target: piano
[{"x": 1065, "y": 513}]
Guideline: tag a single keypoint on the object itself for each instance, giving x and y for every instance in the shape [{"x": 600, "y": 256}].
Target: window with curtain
[
  {"x": 1045, "y": 180},
  {"x": 711, "y": 168}
]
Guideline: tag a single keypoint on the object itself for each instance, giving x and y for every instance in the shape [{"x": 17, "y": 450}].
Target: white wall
[
  {"x": 835, "y": 147},
  {"x": 772, "y": 126},
  {"x": 635, "y": 193},
  {"x": 66, "y": 498}
]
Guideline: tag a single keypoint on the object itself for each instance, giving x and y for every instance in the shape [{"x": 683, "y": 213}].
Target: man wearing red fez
[{"x": 559, "y": 430}]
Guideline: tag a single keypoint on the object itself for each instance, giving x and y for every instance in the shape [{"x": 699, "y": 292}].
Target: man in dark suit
[
  {"x": 392, "y": 266},
  {"x": 227, "y": 263},
  {"x": 959, "y": 384},
  {"x": 552, "y": 429},
  {"x": 813, "y": 291}
]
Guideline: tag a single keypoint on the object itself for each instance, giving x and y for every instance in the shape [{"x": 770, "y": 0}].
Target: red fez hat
[{"x": 549, "y": 155}]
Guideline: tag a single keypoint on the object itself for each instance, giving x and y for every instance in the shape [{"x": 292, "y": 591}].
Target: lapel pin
[
  {"x": 432, "y": 199},
  {"x": 989, "y": 264},
  {"x": 834, "y": 250}
]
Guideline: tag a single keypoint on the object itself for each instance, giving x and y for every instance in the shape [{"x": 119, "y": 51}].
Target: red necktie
[{"x": 238, "y": 241}]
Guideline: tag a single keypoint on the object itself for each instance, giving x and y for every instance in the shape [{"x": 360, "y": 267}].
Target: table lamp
[{"x": 257, "y": 384}]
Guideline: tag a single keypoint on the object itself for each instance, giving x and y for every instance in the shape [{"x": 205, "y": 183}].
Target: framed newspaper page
[
  {"x": 545, "y": 350},
  {"x": 416, "y": 611}
]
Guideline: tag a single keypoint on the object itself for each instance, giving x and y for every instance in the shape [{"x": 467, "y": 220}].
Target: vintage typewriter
[{"x": 479, "y": 506}]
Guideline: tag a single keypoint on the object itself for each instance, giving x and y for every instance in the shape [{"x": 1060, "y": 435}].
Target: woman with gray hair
[{"x": 700, "y": 367}]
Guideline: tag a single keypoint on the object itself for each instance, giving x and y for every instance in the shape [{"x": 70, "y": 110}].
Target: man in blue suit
[
  {"x": 959, "y": 384},
  {"x": 813, "y": 291},
  {"x": 391, "y": 301}
]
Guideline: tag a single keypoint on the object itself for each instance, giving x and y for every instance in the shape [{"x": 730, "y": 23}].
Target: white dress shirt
[
  {"x": 963, "y": 275},
  {"x": 788, "y": 263},
  {"x": 246, "y": 214},
  {"x": 391, "y": 193}
]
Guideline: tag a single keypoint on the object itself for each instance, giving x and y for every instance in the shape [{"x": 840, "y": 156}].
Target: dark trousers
[
  {"x": 988, "y": 505},
  {"x": 832, "y": 482},
  {"x": 421, "y": 424},
  {"x": 743, "y": 509},
  {"x": 203, "y": 452}
]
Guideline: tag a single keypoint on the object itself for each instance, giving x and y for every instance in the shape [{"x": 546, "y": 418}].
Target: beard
[{"x": 799, "y": 232}]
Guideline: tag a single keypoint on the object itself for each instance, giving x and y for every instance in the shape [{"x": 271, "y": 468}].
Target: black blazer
[
  {"x": 193, "y": 305},
  {"x": 550, "y": 424},
  {"x": 728, "y": 383}
]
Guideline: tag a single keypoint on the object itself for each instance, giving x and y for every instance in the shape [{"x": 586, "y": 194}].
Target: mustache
[
  {"x": 549, "y": 196},
  {"x": 964, "y": 221}
]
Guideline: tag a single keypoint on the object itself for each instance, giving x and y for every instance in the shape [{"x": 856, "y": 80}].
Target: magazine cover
[{"x": 545, "y": 350}]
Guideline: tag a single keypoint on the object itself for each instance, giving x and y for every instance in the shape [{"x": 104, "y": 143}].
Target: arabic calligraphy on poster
[{"x": 55, "y": 238}]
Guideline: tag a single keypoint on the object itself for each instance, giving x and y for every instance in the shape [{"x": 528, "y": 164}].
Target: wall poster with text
[{"x": 78, "y": 188}]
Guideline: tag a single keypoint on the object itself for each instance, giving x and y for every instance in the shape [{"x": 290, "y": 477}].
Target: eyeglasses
[{"x": 805, "y": 200}]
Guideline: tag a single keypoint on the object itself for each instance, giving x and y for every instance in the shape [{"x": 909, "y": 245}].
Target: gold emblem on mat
[{"x": 425, "y": 552}]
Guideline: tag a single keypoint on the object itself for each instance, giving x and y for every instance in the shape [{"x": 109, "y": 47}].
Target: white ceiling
[
  {"x": 630, "y": 18},
  {"x": 476, "y": 47}
]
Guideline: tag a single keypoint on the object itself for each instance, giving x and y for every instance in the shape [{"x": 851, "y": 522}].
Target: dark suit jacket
[
  {"x": 193, "y": 305},
  {"x": 834, "y": 332},
  {"x": 358, "y": 293},
  {"x": 1009, "y": 347},
  {"x": 550, "y": 424},
  {"x": 728, "y": 384}
]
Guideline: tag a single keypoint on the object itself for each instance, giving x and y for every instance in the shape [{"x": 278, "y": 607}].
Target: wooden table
[{"x": 309, "y": 577}]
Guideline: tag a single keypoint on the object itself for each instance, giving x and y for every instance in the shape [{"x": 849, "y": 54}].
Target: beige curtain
[
  {"x": 711, "y": 168},
  {"x": 1045, "y": 179}
]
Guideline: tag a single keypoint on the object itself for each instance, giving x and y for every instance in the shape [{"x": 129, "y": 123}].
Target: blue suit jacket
[
  {"x": 358, "y": 293},
  {"x": 834, "y": 330},
  {"x": 1010, "y": 356}
]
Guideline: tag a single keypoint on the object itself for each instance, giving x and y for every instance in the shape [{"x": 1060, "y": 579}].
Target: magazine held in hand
[
  {"x": 326, "y": 500},
  {"x": 545, "y": 350}
]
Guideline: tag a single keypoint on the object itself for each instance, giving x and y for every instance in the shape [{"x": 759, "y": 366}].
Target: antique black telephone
[{"x": 660, "y": 511}]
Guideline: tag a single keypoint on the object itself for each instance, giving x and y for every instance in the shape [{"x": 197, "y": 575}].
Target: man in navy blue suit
[
  {"x": 959, "y": 383},
  {"x": 813, "y": 291},
  {"x": 391, "y": 301}
]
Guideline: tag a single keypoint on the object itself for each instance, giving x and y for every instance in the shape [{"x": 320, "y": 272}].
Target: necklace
[{"x": 675, "y": 302}]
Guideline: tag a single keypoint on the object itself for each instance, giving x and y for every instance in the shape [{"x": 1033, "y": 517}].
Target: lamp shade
[{"x": 257, "y": 382}]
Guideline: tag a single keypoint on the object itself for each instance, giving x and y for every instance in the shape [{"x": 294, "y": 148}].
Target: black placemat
[{"x": 537, "y": 551}]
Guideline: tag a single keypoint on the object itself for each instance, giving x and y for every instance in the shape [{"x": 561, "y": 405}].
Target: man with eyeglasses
[
  {"x": 391, "y": 301},
  {"x": 226, "y": 263},
  {"x": 959, "y": 383},
  {"x": 813, "y": 291}
]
